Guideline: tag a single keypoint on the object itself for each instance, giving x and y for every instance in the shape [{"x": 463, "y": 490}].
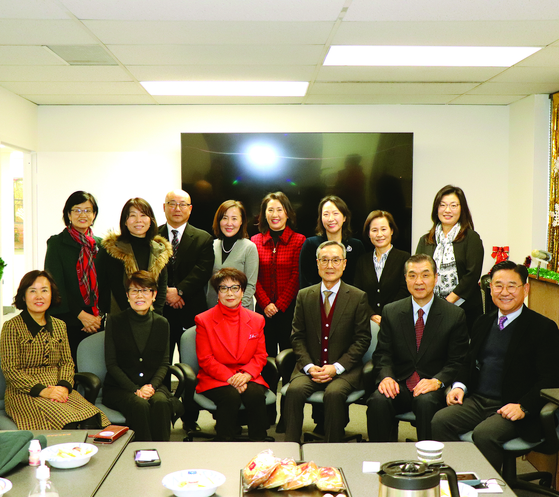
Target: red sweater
[{"x": 278, "y": 273}]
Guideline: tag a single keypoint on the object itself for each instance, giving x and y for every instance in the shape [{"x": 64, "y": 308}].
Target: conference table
[{"x": 76, "y": 482}]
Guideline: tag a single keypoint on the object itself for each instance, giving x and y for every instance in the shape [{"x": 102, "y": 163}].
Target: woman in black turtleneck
[
  {"x": 137, "y": 358},
  {"x": 138, "y": 247},
  {"x": 233, "y": 249}
]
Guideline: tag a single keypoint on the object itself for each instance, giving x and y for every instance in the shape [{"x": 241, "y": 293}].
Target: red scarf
[{"x": 87, "y": 276}]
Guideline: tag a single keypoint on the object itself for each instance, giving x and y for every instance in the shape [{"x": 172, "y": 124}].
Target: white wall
[
  {"x": 18, "y": 121},
  {"x": 117, "y": 152}
]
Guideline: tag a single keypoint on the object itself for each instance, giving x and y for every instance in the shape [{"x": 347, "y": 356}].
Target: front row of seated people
[{"x": 493, "y": 383}]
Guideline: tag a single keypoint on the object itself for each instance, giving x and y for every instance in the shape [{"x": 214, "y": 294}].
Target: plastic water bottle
[{"x": 43, "y": 487}]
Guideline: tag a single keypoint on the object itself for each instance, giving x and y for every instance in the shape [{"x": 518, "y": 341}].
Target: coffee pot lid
[{"x": 408, "y": 475}]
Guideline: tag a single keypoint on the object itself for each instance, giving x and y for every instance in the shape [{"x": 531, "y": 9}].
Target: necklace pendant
[{"x": 274, "y": 250}]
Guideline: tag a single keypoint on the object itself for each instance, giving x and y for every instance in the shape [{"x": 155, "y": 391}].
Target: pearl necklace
[{"x": 228, "y": 251}]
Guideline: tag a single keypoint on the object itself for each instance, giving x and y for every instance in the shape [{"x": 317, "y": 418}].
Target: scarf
[
  {"x": 446, "y": 263},
  {"x": 85, "y": 268}
]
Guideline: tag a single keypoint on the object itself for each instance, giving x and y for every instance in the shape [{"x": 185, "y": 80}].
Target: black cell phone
[{"x": 146, "y": 457}]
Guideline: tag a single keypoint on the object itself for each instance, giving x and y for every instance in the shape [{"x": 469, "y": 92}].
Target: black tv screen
[{"x": 368, "y": 170}]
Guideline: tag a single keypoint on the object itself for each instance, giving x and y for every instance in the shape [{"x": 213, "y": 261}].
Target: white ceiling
[{"x": 263, "y": 40}]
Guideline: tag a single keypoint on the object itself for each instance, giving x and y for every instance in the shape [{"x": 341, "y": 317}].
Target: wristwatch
[
  {"x": 179, "y": 291},
  {"x": 439, "y": 382}
]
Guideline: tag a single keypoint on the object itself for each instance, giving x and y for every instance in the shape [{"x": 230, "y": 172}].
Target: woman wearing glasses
[
  {"x": 137, "y": 357},
  {"x": 458, "y": 251},
  {"x": 231, "y": 352},
  {"x": 138, "y": 247},
  {"x": 232, "y": 248},
  {"x": 72, "y": 261}
]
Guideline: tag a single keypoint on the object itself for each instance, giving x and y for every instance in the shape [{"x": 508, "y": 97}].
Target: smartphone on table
[{"x": 147, "y": 457}]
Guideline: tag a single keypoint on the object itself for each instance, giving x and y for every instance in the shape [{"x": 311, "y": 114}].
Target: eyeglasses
[
  {"x": 511, "y": 288},
  {"x": 424, "y": 276},
  {"x": 336, "y": 261},
  {"x": 452, "y": 207},
  {"x": 225, "y": 289},
  {"x": 79, "y": 211},
  {"x": 134, "y": 292},
  {"x": 181, "y": 206}
]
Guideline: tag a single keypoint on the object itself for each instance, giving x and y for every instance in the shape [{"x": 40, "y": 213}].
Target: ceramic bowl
[
  {"x": 69, "y": 455},
  {"x": 193, "y": 482},
  {"x": 5, "y": 485}
]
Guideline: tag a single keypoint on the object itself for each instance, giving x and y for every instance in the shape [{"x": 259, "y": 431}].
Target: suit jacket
[
  {"x": 217, "y": 357},
  {"x": 191, "y": 269},
  {"x": 350, "y": 331},
  {"x": 392, "y": 285},
  {"x": 531, "y": 363},
  {"x": 442, "y": 349},
  {"x": 468, "y": 254}
]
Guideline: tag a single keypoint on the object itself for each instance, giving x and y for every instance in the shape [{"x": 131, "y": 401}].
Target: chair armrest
[
  {"x": 368, "y": 379},
  {"x": 189, "y": 380},
  {"x": 285, "y": 361},
  {"x": 91, "y": 385},
  {"x": 270, "y": 374},
  {"x": 548, "y": 418},
  {"x": 178, "y": 373}
]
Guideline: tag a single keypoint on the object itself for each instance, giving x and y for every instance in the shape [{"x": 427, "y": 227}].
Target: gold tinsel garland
[{"x": 553, "y": 225}]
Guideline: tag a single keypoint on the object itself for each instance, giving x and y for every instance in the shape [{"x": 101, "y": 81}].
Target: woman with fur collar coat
[{"x": 138, "y": 247}]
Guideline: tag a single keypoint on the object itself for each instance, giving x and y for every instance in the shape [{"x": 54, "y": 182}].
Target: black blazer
[
  {"x": 191, "y": 269},
  {"x": 468, "y": 254},
  {"x": 531, "y": 363},
  {"x": 443, "y": 346},
  {"x": 392, "y": 285}
]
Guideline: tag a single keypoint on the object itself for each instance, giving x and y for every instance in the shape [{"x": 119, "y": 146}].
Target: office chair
[{"x": 5, "y": 421}]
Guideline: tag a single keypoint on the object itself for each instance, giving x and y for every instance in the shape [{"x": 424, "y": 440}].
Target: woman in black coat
[
  {"x": 72, "y": 261},
  {"x": 380, "y": 273}
]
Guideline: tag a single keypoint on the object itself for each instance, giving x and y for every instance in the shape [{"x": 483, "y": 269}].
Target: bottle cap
[
  {"x": 35, "y": 445},
  {"x": 43, "y": 472}
]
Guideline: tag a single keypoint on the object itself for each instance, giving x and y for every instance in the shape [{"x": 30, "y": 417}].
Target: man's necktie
[
  {"x": 175, "y": 242},
  {"x": 502, "y": 320},
  {"x": 327, "y": 294},
  {"x": 413, "y": 380}
]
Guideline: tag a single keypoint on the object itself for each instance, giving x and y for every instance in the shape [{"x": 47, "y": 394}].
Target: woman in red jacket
[
  {"x": 278, "y": 274},
  {"x": 231, "y": 355}
]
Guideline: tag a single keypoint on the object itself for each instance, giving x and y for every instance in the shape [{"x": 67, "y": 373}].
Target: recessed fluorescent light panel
[
  {"x": 353, "y": 55},
  {"x": 228, "y": 88}
]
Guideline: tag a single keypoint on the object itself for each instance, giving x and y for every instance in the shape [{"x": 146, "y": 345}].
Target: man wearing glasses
[
  {"x": 422, "y": 343},
  {"x": 330, "y": 335},
  {"x": 512, "y": 356}
]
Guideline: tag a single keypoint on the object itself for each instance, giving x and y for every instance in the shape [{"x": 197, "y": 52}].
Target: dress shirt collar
[
  {"x": 335, "y": 289},
  {"x": 510, "y": 317},
  {"x": 426, "y": 308},
  {"x": 180, "y": 229}
]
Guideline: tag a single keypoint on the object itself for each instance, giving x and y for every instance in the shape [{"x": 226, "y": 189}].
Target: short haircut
[
  {"x": 143, "y": 279},
  {"x": 418, "y": 259},
  {"x": 78, "y": 198},
  {"x": 376, "y": 215},
  {"x": 143, "y": 206},
  {"x": 221, "y": 210},
  {"x": 519, "y": 269},
  {"x": 343, "y": 208},
  {"x": 228, "y": 273},
  {"x": 27, "y": 280},
  {"x": 327, "y": 244},
  {"x": 465, "y": 220},
  {"x": 281, "y": 197}
]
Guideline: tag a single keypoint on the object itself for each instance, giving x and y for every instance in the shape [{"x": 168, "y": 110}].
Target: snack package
[
  {"x": 259, "y": 469},
  {"x": 284, "y": 472},
  {"x": 306, "y": 475},
  {"x": 329, "y": 480}
]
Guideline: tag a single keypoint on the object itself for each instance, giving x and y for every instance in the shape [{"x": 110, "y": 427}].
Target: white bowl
[
  {"x": 5, "y": 485},
  {"x": 69, "y": 455},
  {"x": 193, "y": 482}
]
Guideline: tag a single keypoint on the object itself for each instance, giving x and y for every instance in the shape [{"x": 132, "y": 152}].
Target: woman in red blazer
[{"x": 231, "y": 352}]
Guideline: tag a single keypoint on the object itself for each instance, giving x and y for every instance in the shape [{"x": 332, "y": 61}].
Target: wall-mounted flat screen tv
[{"x": 368, "y": 170}]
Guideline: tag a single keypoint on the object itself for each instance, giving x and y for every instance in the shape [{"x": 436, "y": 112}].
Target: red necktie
[{"x": 413, "y": 380}]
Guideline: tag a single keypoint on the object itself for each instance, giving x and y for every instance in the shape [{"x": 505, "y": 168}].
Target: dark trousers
[
  {"x": 277, "y": 330},
  {"x": 150, "y": 419},
  {"x": 335, "y": 396},
  {"x": 228, "y": 401},
  {"x": 382, "y": 425},
  {"x": 477, "y": 413}
]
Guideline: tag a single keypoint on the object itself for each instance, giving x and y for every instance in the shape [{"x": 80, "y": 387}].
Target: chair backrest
[
  {"x": 374, "y": 340},
  {"x": 187, "y": 349},
  {"x": 91, "y": 355},
  {"x": 2, "y": 389}
]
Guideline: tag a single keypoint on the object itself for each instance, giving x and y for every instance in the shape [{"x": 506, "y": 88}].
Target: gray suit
[{"x": 348, "y": 341}]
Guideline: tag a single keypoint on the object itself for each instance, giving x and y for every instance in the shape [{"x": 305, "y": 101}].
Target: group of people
[{"x": 323, "y": 296}]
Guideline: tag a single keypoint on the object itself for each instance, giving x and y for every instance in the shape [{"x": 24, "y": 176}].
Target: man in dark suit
[
  {"x": 512, "y": 356},
  {"x": 331, "y": 333},
  {"x": 190, "y": 267},
  {"x": 421, "y": 345}
]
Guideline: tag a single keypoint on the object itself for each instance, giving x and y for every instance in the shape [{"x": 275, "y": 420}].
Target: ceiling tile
[
  {"x": 390, "y": 88},
  {"x": 515, "y": 88},
  {"x": 38, "y": 32},
  {"x": 62, "y": 73},
  {"x": 65, "y": 99},
  {"x": 486, "y": 99},
  {"x": 208, "y": 10},
  {"x": 221, "y": 72},
  {"x": 471, "y": 33},
  {"x": 24, "y": 56},
  {"x": 547, "y": 57},
  {"x": 210, "y": 32},
  {"x": 528, "y": 75},
  {"x": 217, "y": 54},
  {"x": 75, "y": 88},
  {"x": 378, "y": 99},
  {"x": 31, "y": 9}
]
